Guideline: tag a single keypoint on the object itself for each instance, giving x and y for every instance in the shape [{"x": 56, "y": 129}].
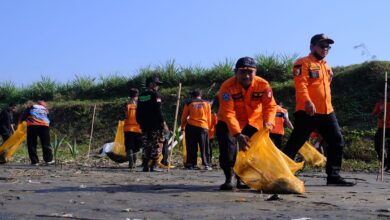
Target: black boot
[
  {"x": 227, "y": 186},
  {"x": 155, "y": 167},
  {"x": 145, "y": 165},
  {"x": 241, "y": 184}
]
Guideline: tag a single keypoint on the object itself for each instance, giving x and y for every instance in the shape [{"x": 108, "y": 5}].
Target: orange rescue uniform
[
  {"x": 312, "y": 83},
  {"x": 239, "y": 107},
  {"x": 196, "y": 112},
  {"x": 379, "y": 110},
  {"x": 279, "y": 120},
  {"x": 130, "y": 123},
  {"x": 214, "y": 120}
]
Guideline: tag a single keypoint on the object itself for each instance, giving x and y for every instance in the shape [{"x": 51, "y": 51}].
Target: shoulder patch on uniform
[
  {"x": 226, "y": 96},
  {"x": 269, "y": 93},
  {"x": 297, "y": 69},
  {"x": 144, "y": 98}
]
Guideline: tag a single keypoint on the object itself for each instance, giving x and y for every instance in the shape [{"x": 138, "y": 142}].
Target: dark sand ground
[{"x": 81, "y": 192}]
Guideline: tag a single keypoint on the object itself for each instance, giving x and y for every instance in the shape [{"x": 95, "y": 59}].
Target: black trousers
[
  {"x": 5, "y": 136},
  {"x": 328, "y": 127},
  {"x": 378, "y": 145},
  {"x": 43, "y": 132},
  {"x": 5, "y": 133},
  {"x": 277, "y": 139},
  {"x": 228, "y": 144},
  {"x": 132, "y": 141},
  {"x": 197, "y": 136}
]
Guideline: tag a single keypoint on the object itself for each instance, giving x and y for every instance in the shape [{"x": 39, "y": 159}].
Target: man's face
[
  {"x": 245, "y": 76},
  {"x": 320, "y": 49},
  {"x": 13, "y": 109}
]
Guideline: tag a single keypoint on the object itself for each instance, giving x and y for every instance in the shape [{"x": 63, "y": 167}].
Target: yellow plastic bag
[
  {"x": 264, "y": 167},
  {"x": 119, "y": 142},
  {"x": 184, "y": 151},
  {"x": 312, "y": 156},
  {"x": 118, "y": 151},
  {"x": 9, "y": 147}
]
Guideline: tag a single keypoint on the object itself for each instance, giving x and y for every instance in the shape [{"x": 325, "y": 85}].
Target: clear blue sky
[{"x": 62, "y": 38}]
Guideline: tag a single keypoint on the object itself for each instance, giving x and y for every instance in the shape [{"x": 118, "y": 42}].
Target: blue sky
[{"x": 64, "y": 38}]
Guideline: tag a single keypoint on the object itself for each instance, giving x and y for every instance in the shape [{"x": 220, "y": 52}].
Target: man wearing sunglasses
[{"x": 314, "y": 110}]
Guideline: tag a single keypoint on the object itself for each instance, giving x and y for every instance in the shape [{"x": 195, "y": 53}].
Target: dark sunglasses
[{"x": 324, "y": 46}]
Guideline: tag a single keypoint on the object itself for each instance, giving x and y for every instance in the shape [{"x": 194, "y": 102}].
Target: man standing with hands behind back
[{"x": 314, "y": 110}]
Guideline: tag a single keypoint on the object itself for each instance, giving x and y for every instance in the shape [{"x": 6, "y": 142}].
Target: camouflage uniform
[
  {"x": 152, "y": 142},
  {"x": 150, "y": 118}
]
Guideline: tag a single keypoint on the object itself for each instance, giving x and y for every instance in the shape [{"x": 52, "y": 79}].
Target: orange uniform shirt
[
  {"x": 196, "y": 112},
  {"x": 130, "y": 123},
  {"x": 281, "y": 114},
  {"x": 214, "y": 120},
  {"x": 239, "y": 107},
  {"x": 312, "y": 83},
  {"x": 379, "y": 110}
]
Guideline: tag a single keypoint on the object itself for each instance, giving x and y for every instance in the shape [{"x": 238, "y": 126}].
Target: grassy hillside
[{"x": 355, "y": 89}]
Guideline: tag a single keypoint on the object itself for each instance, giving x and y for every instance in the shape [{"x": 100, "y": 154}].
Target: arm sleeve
[
  {"x": 269, "y": 106},
  {"x": 158, "y": 108},
  {"x": 139, "y": 114},
  {"x": 301, "y": 78},
  {"x": 184, "y": 116},
  {"x": 209, "y": 120},
  {"x": 226, "y": 106}
]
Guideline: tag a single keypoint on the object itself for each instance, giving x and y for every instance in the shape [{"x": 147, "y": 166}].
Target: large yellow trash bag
[
  {"x": 264, "y": 167},
  {"x": 116, "y": 151},
  {"x": 9, "y": 147},
  {"x": 119, "y": 142},
  {"x": 312, "y": 156}
]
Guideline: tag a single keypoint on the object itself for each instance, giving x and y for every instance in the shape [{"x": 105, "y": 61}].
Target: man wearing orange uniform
[
  {"x": 314, "y": 110},
  {"x": 132, "y": 131},
  {"x": 379, "y": 113},
  {"x": 246, "y": 104},
  {"x": 277, "y": 132},
  {"x": 196, "y": 120}
]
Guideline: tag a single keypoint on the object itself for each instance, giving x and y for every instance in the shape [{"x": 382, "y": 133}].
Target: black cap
[
  {"x": 319, "y": 38},
  {"x": 246, "y": 63},
  {"x": 133, "y": 92},
  {"x": 153, "y": 79}
]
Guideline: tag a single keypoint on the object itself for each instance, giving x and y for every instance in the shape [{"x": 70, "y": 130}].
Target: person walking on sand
[
  {"x": 379, "y": 113},
  {"x": 246, "y": 104},
  {"x": 314, "y": 110},
  {"x": 281, "y": 119},
  {"x": 150, "y": 118},
  {"x": 131, "y": 129},
  {"x": 196, "y": 120},
  {"x": 37, "y": 118}
]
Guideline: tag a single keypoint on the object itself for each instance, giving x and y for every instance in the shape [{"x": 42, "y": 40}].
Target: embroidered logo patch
[
  {"x": 297, "y": 70},
  {"x": 226, "y": 96},
  {"x": 314, "y": 75}
]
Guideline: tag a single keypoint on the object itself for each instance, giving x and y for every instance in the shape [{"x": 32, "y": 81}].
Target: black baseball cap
[
  {"x": 246, "y": 63},
  {"x": 133, "y": 92},
  {"x": 153, "y": 79},
  {"x": 320, "y": 38}
]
